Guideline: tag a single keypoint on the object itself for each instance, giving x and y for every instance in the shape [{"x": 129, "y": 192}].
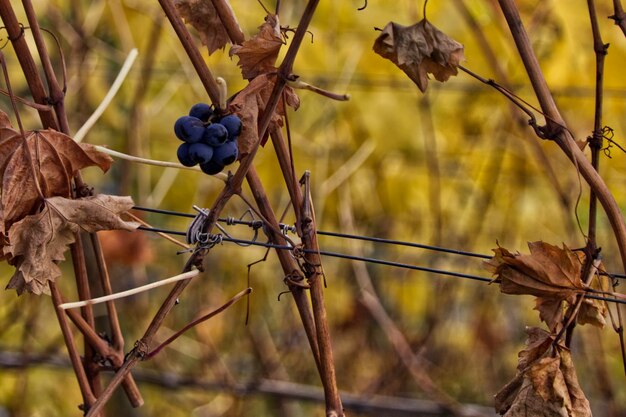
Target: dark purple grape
[
  {"x": 189, "y": 129},
  {"x": 232, "y": 123},
  {"x": 212, "y": 167},
  {"x": 200, "y": 153},
  {"x": 226, "y": 154},
  {"x": 215, "y": 134},
  {"x": 183, "y": 155},
  {"x": 201, "y": 111}
]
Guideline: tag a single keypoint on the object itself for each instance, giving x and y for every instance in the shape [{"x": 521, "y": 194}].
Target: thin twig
[
  {"x": 132, "y": 291},
  {"x": 12, "y": 96},
  {"x": 347, "y": 168},
  {"x": 56, "y": 93},
  {"x": 84, "y": 293},
  {"x": 29, "y": 68},
  {"x": 119, "y": 80},
  {"x": 572, "y": 314},
  {"x": 105, "y": 281},
  {"x": 199, "y": 320},
  {"x": 81, "y": 377},
  {"x": 329, "y": 94},
  {"x": 140, "y": 350},
  {"x": 163, "y": 235},
  {"x": 596, "y": 142},
  {"x": 40, "y": 107},
  {"x": 619, "y": 16}
]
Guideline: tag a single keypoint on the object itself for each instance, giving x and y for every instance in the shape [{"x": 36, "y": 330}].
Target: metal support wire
[
  {"x": 287, "y": 228},
  {"x": 244, "y": 242}
]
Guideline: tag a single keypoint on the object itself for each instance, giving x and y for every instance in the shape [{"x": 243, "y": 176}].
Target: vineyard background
[{"x": 453, "y": 168}]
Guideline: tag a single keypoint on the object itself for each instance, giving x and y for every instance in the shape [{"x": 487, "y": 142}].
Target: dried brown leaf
[
  {"x": 545, "y": 384},
  {"x": 41, "y": 164},
  {"x": 592, "y": 312},
  {"x": 250, "y": 103},
  {"x": 550, "y": 273},
  {"x": 550, "y": 311},
  {"x": 258, "y": 54},
  {"x": 201, "y": 14},
  {"x": 37, "y": 243},
  {"x": 420, "y": 49}
]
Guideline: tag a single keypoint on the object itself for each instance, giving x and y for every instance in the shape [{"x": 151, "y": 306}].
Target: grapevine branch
[
  {"x": 116, "y": 330},
  {"x": 307, "y": 229},
  {"x": 619, "y": 16},
  {"x": 561, "y": 135},
  {"x": 56, "y": 97},
  {"x": 79, "y": 370},
  {"x": 595, "y": 141},
  {"x": 555, "y": 124},
  {"x": 596, "y": 144},
  {"x": 233, "y": 186},
  {"x": 325, "y": 364},
  {"x": 16, "y": 36},
  {"x": 287, "y": 262},
  {"x": 321, "y": 340}
]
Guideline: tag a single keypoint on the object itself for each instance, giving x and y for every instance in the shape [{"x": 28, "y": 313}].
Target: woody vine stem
[
  {"x": 316, "y": 327},
  {"x": 562, "y": 136}
]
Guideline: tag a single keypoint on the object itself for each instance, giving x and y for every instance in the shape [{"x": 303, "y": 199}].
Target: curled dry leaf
[
  {"x": 592, "y": 312},
  {"x": 420, "y": 49},
  {"x": 38, "y": 166},
  {"x": 250, "y": 103},
  {"x": 258, "y": 54},
  {"x": 545, "y": 385},
  {"x": 37, "y": 243},
  {"x": 550, "y": 273},
  {"x": 201, "y": 14}
]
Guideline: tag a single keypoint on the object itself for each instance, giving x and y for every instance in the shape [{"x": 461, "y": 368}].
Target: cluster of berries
[{"x": 208, "y": 139}]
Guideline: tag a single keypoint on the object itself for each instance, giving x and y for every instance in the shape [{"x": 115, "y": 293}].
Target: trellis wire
[
  {"x": 254, "y": 223},
  {"x": 358, "y": 258}
]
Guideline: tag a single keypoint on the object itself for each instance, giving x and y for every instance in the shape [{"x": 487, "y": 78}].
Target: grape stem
[
  {"x": 306, "y": 86},
  {"x": 221, "y": 176},
  {"x": 221, "y": 83}
]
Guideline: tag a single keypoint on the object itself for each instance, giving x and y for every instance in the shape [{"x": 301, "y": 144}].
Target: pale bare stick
[
  {"x": 130, "y": 292},
  {"x": 128, "y": 64},
  {"x": 163, "y": 235},
  {"x": 221, "y": 176}
]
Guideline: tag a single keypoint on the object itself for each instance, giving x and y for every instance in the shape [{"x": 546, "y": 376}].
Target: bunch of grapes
[{"x": 209, "y": 140}]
